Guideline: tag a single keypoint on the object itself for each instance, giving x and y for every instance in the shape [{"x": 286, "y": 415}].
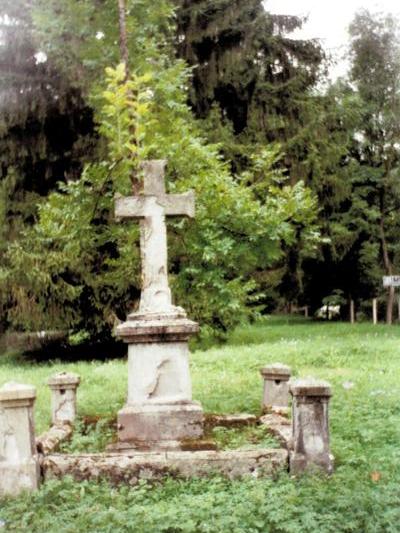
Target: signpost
[{"x": 391, "y": 281}]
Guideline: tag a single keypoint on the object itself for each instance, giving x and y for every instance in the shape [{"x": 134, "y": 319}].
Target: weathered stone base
[
  {"x": 159, "y": 427},
  {"x": 123, "y": 468},
  {"x": 15, "y": 479},
  {"x": 51, "y": 440},
  {"x": 300, "y": 463}
]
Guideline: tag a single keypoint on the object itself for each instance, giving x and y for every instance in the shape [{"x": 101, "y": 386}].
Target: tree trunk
[
  {"x": 352, "y": 313},
  {"x": 389, "y": 308},
  {"x": 388, "y": 268},
  {"x": 123, "y": 40}
]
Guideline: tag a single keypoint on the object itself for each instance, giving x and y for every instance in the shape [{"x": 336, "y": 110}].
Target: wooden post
[
  {"x": 352, "y": 313},
  {"x": 375, "y": 311},
  {"x": 306, "y": 310}
]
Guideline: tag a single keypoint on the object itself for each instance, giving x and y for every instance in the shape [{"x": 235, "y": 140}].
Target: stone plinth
[
  {"x": 159, "y": 413},
  {"x": 19, "y": 469},
  {"x": 63, "y": 397},
  {"x": 276, "y": 387},
  {"x": 310, "y": 426}
]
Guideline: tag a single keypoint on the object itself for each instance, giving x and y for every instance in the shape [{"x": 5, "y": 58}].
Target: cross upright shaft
[{"x": 151, "y": 207}]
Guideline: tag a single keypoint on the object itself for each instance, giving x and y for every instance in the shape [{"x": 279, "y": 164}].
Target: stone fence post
[
  {"x": 63, "y": 397},
  {"x": 19, "y": 466},
  {"x": 276, "y": 387},
  {"x": 310, "y": 424}
]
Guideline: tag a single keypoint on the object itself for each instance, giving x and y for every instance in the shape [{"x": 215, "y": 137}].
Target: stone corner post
[
  {"x": 19, "y": 465},
  {"x": 276, "y": 387},
  {"x": 63, "y": 397},
  {"x": 310, "y": 425}
]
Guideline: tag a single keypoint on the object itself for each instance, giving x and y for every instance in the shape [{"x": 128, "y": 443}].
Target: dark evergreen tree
[
  {"x": 244, "y": 62},
  {"x": 45, "y": 125}
]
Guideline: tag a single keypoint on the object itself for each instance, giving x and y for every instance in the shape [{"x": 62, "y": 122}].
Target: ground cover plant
[{"x": 362, "y": 362}]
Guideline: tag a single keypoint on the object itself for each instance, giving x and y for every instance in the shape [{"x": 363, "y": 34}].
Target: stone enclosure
[
  {"x": 160, "y": 429},
  {"x": 26, "y": 462}
]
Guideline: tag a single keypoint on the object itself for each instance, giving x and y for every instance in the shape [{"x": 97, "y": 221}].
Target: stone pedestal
[
  {"x": 19, "y": 468},
  {"x": 159, "y": 413},
  {"x": 310, "y": 426},
  {"x": 63, "y": 397},
  {"x": 276, "y": 387}
]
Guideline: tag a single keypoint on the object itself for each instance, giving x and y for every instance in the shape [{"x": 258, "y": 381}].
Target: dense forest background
[{"x": 296, "y": 176}]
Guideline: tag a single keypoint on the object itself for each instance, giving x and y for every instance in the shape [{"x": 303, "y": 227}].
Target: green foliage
[
  {"x": 246, "y": 438},
  {"x": 78, "y": 267},
  {"x": 90, "y": 436},
  {"x": 362, "y": 494}
]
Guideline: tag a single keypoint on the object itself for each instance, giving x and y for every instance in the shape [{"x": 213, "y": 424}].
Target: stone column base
[
  {"x": 17, "y": 478},
  {"x": 159, "y": 426},
  {"x": 300, "y": 463}
]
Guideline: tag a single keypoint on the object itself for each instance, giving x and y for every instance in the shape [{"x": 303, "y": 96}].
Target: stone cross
[{"x": 151, "y": 208}]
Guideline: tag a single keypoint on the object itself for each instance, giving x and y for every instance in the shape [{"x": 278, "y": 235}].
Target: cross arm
[
  {"x": 137, "y": 206},
  {"x": 179, "y": 204}
]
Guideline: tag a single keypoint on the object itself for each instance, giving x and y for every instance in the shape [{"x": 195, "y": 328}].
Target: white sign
[{"x": 391, "y": 281}]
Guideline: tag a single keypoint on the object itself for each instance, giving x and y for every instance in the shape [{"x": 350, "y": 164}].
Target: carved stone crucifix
[{"x": 151, "y": 208}]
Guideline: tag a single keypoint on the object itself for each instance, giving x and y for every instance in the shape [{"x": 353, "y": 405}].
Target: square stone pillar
[
  {"x": 310, "y": 424},
  {"x": 19, "y": 467},
  {"x": 63, "y": 397},
  {"x": 160, "y": 412},
  {"x": 276, "y": 387}
]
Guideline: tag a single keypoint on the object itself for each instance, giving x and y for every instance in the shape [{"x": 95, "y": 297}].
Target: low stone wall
[{"x": 131, "y": 468}]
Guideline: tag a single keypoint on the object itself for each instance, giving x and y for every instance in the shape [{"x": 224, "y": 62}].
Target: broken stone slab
[
  {"x": 50, "y": 441},
  {"x": 280, "y": 427},
  {"x": 276, "y": 387},
  {"x": 63, "y": 387},
  {"x": 19, "y": 467},
  {"x": 310, "y": 419},
  {"x": 230, "y": 421},
  {"x": 131, "y": 468}
]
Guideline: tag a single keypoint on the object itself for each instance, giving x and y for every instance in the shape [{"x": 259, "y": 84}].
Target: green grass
[{"x": 363, "y": 364}]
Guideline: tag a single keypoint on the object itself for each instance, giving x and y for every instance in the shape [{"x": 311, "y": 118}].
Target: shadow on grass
[{"x": 56, "y": 352}]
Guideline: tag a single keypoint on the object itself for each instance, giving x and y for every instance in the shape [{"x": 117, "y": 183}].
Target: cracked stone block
[
  {"x": 63, "y": 387},
  {"x": 276, "y": 387},
  {"x": 310, "y": 424},
  {"x": 158, "y": 372},
  {"x": 19, "y": 467}
]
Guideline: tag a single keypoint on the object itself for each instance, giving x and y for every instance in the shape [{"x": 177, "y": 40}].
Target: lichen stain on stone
[{"x": 212, "y": 420}]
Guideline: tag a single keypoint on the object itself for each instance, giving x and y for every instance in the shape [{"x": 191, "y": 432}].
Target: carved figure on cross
[{"x": 151, "y": 208}]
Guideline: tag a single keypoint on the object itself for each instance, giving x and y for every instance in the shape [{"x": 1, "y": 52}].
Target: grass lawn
[{"x": 362, "y": 362}]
